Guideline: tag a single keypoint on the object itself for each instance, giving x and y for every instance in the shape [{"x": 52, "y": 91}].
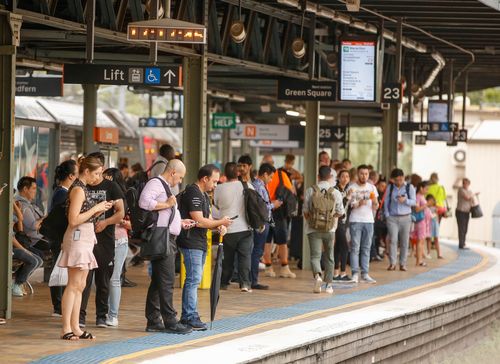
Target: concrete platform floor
[{"x": 32, "y": 333}]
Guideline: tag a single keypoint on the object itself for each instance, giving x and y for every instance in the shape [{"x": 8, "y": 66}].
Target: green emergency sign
[{"x": 224, "y": 120}]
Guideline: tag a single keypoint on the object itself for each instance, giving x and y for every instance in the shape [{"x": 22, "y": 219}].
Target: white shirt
[
  {"x": 365, "y": 212},
  {"x": 229, "y": 201}
]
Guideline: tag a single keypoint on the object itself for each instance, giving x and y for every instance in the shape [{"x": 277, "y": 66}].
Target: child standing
[{"x": 434, "y": 226}]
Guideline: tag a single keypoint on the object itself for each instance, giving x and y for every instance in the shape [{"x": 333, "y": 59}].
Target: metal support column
[
  {"x": 310, "y": 164},
  {"x": 9, "y": 28},
  {"x": 390, "y": 121},
  {"x": 89, "y": 117},
  {"x": 195, "y": 109},
  {"x": 227, "y": 152},
  {"x": 451, "y": 90}
]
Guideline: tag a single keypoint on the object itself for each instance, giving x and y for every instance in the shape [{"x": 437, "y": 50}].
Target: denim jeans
[
  {"x": 399, "y": 232},
  {"x": 194, "y": 260},
  {"x": 259, "y": 240},
  {"x": 115, "y": 284},
  {"x": 317, "y": 241},
  {"x": 361, "y": 241},
  {"x": 30, "y": 263}
]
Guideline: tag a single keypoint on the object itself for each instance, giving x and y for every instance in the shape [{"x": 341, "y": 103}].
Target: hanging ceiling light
[
  {"x": 237, "y": 29},
  {"x": 298, "y": 44}
]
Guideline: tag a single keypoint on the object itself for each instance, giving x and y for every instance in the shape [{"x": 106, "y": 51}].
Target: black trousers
[
  {"x": 102, "y": 276},
  {"x": 241, "y": 243},
  {"x": 57, "y": 291},
  {"x": 340, "y": 249},
  {"x": 159, "y": 301},
  {"x": 463, "y": 225}
]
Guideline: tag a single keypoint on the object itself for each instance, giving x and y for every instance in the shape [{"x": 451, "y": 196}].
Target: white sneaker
[
  {"x": 427, "y": 256},
  {"x": 17, "y": 291},
  {"x": 270, "y": 272},
  {"x": 285, "y": 272},
  {"x": 246, "y": 290},
  {"x": 262, "y": 266},
  {"x": 329, "y": 288},
  {"x": 367, "y": 279},
  {"x": 112, "y": 321},
  {"x": 355, "y": 277},
  {"x": 318, "y": 282}
]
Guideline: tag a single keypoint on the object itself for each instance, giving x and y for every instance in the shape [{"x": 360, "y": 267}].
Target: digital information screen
[
  {"x": 437, "y": 112},
  {"x": 357, "y": 70}
]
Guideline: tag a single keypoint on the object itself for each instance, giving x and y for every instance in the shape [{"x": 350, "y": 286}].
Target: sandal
[
  {"x": 69, "y": 336},
  {"x": 3, "y": 321},
  {"x": 87, "y": 336}
]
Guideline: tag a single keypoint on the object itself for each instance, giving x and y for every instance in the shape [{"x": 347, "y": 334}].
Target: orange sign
[
  {"x": 106, "y": 135},
  {"x": 250, "y": 131}
]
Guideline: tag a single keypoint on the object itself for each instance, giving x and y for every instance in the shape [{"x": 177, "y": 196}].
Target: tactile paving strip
[{"x": 95, "y": 354}]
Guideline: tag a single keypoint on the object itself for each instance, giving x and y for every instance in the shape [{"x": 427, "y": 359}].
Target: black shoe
[
  {"x": 178, "y": 328},
  {"x": 128, "y": 283},
  {"x": 224, "y": 287},
  {"x": 260, "y": 286},
  {"x": 235, "y": 280},
  {"x": 155, "y": 328},
  {"x": 465, "y": 248},
  {"x": 196, "y": 324},
  {"x": 346, "y": 278},
  {"x": 101, "y": 322}
]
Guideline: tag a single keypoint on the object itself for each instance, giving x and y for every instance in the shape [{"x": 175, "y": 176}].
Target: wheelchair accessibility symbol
[{"x": 152, "y": 76}]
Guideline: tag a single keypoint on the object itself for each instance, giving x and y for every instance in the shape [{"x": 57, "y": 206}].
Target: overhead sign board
[
  {"x": 173, "y": 120},
  {"x": 429, "y": 127},
  {"x": 123, "y": 75},
  {"x": 106, "y": 135},
  {"x": 392, "y": 93},
  {"x": 358, "y": 69},
  {"x": 260, "y": 132},
  {"x": 460, "y": 135},
  {"x": 300, "y": 90},
  {"x": 327, "y": 134},
  {"x": 224, "y": 120},
  {"x": 50, "y": 86},
  {"x": 275, "y": 144},
  {"x": 437, "y": 112}
]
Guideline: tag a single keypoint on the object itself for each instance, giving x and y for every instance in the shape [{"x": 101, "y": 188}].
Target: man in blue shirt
[{"x": 399, "y": 199}]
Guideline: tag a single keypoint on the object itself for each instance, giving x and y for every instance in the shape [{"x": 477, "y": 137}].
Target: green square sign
[{"x": 224, "y": 120}]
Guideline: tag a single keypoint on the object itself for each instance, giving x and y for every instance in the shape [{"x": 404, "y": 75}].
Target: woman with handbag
[
  {"x": 78, "y": 244},
  {"x": 466, "y": 200}
]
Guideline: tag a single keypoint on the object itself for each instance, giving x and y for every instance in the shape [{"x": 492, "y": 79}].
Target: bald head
[
  {"x": 267, "y": 158},
  {"x": 174, "y": 172}
]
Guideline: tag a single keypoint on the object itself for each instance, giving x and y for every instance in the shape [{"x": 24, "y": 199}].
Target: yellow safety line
[{"x": 484, "y": 262}]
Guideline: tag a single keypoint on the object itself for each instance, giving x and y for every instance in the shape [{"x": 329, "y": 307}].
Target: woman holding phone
[{"x": 78, "y": 244}]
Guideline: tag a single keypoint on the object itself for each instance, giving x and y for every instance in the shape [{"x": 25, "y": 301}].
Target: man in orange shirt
[{"x": 279, "y": 232}]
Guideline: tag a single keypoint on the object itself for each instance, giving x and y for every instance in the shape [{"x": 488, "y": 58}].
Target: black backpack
[
  {"x": 256, "y": 211},
  {"x": 290, "y": 202},
  {"x": 141, "y": 219},
  {"x": 55, "y": 224}
]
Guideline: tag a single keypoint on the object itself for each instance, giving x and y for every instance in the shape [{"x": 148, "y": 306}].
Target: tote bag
[{"x": 59, "y": 276}]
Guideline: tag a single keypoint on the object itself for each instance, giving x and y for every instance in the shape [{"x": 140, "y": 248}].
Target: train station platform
[{"x": 288, "y": 323}]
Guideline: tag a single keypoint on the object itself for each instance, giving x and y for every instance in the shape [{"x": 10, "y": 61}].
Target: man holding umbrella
[{"x": 195, "y": 204}]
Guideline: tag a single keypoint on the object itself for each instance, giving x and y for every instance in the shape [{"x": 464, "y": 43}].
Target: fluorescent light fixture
[
  {"x": 322, "y": 117},
  {"x": 292, "y": 113},
  {"x": 284, "y": 105},
  {"x": 303, "y": 123}
]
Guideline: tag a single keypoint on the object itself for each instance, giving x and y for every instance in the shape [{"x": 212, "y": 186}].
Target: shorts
[{"x": 279, "y": 232}]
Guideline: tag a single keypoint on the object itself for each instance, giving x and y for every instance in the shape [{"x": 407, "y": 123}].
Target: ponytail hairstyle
[{"x": 63, "y": 171}]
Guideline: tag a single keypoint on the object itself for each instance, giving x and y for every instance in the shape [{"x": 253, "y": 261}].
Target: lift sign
[{"x": 298, "y": 90}]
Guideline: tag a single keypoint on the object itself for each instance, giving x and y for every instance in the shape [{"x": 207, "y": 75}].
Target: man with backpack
[
  {"x": 322, "y": 207},
  {"x": 399, "y": 199},
  {"x": 157, "y": 196}
]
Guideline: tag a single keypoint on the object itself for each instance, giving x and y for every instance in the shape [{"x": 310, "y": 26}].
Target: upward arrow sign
[{"x": 169, "y": 74}]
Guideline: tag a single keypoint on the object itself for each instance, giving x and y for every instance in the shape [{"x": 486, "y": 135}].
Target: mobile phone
[{"x": 234, "y": 217}]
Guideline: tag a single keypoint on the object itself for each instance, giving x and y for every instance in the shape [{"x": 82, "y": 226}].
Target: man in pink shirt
[{"x": 160, "y": 312}]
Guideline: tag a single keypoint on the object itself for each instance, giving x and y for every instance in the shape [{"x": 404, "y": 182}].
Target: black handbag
[
  {"x": 55, "y": 224},
  {"x": 157, "y": 241},
  {"x": 476, "y": 212}
]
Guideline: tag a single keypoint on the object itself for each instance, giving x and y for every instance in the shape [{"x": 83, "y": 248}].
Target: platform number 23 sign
[{"x": 392, "y": 93}]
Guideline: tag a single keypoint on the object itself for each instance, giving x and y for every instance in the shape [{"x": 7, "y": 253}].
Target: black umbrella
[{"x": 215, "y": 285}]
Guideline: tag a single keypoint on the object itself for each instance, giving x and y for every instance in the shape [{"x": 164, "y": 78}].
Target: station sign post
[{"x": 299, "y": 90}]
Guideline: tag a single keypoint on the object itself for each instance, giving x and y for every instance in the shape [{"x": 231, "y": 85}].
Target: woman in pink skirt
[
  {"x": 78, "y": 244},
  {"x": 419, "y": 232}
]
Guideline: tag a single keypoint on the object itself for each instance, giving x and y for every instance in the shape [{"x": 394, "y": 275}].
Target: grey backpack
[{"x": 322, "y": 212}]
